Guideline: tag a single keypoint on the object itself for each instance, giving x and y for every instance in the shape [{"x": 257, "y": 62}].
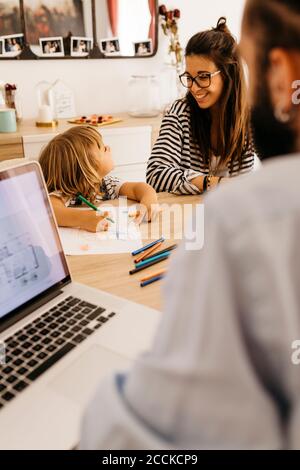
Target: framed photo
[
  {"x": 10, "y": 18},
  {"x": 52, "y": 47},
  {"x": 1, "y": 46},
  {"x": 50, "y": 18},
  {"x": 81, "y": 46},
  {"x": 110, "y": 46},
  {"x": 142, "y": 48},
  {"x": 13, "y": 44}
]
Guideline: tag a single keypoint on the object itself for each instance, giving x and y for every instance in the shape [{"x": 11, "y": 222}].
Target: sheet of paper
[{"x": 123, "y": 236}]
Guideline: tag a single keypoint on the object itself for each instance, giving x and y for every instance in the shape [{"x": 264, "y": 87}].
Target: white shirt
[{"x": 220, "y": 373}]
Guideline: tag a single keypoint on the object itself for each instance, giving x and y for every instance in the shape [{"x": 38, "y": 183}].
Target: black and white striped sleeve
[
  {"x": 110, "y": 187},
  {"x": 165, "y": 170}
]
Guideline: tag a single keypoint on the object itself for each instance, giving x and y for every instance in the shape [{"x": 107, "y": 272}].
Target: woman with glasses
[{"x": 205, "y": 136}]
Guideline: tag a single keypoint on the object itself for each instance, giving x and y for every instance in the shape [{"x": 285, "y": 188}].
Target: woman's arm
[
  {"x": 91, "y": 220},
  {"x": 165, "y": 169}
]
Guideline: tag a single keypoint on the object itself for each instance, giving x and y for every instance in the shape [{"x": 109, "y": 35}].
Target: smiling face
[{"x": 205, "y": 97}]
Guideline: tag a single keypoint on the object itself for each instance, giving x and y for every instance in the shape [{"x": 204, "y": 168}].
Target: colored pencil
[
  {"x": 147, "y": 252},
  {"x": 147, "y": 265},
  {"x": 158, "y": 273},
  {"x": 95, "y": 208},
  {"x": 153, "y": 258},
  {"x": 150, "y": 281},
  {"x": 144, "y": 248},
  {"x": 170, "y": 248}
]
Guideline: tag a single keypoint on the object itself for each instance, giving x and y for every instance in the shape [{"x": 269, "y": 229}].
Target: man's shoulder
[{"x": 273, "y": 191}]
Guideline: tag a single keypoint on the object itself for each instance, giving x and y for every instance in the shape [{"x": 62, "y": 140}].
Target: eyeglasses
[{"x": 203, "y": 80}]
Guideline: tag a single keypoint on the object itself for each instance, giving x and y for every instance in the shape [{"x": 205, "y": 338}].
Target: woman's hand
[{"x": 218, "y": 181}]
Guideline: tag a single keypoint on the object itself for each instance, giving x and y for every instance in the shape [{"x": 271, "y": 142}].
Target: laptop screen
[{"x": 31, "y": 256}]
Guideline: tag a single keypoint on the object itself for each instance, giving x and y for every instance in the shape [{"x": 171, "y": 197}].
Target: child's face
[
  {"x": 104, "y": 159},
  {"x": 205, "y": 97}
]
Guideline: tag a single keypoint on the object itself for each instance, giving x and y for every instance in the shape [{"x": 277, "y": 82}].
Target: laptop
[{"x": 58, "y": 337}]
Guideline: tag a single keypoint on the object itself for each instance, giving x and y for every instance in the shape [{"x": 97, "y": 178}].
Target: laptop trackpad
[{"x": 79, "y": 380}]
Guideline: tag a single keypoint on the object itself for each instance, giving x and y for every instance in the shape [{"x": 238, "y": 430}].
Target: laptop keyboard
[{"x": 32, "y": 350}]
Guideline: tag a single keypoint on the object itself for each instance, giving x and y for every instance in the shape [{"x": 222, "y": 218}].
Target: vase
[{"x": 144, "y": 99}]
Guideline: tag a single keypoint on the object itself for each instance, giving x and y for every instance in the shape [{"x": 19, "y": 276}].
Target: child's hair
[
  {"x": 219, "y": 45},
  {"x": 69, "y": 165}
]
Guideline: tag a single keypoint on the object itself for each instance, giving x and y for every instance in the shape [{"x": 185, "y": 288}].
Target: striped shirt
[
  {"x": 176, "y": 160},
  {"x": 109, "y": 189}
]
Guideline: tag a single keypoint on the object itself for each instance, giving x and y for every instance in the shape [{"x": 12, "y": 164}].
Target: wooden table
[{"x": 111, "y": 272}]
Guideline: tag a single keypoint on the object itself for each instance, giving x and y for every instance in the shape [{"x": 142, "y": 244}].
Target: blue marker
[
  {"x": 153, "y": 279},
  {"x": 144, "y": 248}
]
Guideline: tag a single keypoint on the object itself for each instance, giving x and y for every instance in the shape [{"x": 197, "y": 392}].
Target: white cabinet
[
  {"x": 34, "y": 144},
  {"x": 131, "y": 148}
]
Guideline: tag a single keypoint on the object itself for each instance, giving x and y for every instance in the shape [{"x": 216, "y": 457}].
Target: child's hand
[
  {"x": 146, "y": 196},
  {"x": 148, "y": 208},
  {"x": 95, "y": 222}
]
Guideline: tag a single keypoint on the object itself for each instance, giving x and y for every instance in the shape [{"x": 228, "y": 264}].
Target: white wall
[{"x": 100, "y": 86}]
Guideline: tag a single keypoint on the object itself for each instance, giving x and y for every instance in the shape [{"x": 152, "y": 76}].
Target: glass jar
[
  {"x": 144, "y": 96},
  {"x": 171, "y": 88}
]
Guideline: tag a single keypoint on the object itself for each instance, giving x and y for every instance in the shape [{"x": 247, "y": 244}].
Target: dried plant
[{"x": 169, "y": 23}]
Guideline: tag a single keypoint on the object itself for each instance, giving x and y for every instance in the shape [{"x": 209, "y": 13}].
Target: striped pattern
[
  {"x": 176, "y": 159},
  {"x": 110, "y": 187}
]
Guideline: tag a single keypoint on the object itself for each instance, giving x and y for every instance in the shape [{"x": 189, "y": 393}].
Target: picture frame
[
  {"x": 66, "y": 15},
  {"x": 13, "y": 44},
  {"x": 1, "y": 46},
  {"x": 52, "y": 46},
  {"x": 110, "y": 46},
  {"x": 81, "y": 46},
  {"x": 143, "y": 48}
]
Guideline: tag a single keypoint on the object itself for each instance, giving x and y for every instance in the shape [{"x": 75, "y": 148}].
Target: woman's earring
[{"x": 281, "y": 115}]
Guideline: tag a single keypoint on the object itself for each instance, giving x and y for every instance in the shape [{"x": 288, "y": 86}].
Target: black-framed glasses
[{"x": 203, "y": 79}]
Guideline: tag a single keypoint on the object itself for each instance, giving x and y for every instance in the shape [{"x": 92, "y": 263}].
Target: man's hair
[
  {"x": 69, "y": 165},
  {"x": 277, "y": 21},
  {"x": 273, "y": 24}
]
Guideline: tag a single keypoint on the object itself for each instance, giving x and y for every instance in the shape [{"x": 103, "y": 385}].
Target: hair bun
[{"x": 222, "y": 25}]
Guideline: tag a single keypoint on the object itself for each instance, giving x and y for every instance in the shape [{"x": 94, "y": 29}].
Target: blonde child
[{"x": 77, "y": 161}]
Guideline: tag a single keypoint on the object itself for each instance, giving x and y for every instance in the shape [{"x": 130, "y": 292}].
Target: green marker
[{"x": 88, "y": 203}]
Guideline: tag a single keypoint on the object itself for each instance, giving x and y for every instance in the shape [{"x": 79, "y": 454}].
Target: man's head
[{"x": 270, "y": 44}]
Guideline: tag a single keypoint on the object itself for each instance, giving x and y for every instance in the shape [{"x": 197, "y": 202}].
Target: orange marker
[
  {"x": 147, "y": 252},
  {"x": 159, "y": 273}
]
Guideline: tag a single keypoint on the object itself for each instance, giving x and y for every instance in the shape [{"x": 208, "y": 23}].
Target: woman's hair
[
  {"x": 69, "y": 165},
  {"x": 219, "y": 45}
]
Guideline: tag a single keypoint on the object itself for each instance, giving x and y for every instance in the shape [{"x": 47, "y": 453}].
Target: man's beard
[{"x": 271, "y": 137}]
